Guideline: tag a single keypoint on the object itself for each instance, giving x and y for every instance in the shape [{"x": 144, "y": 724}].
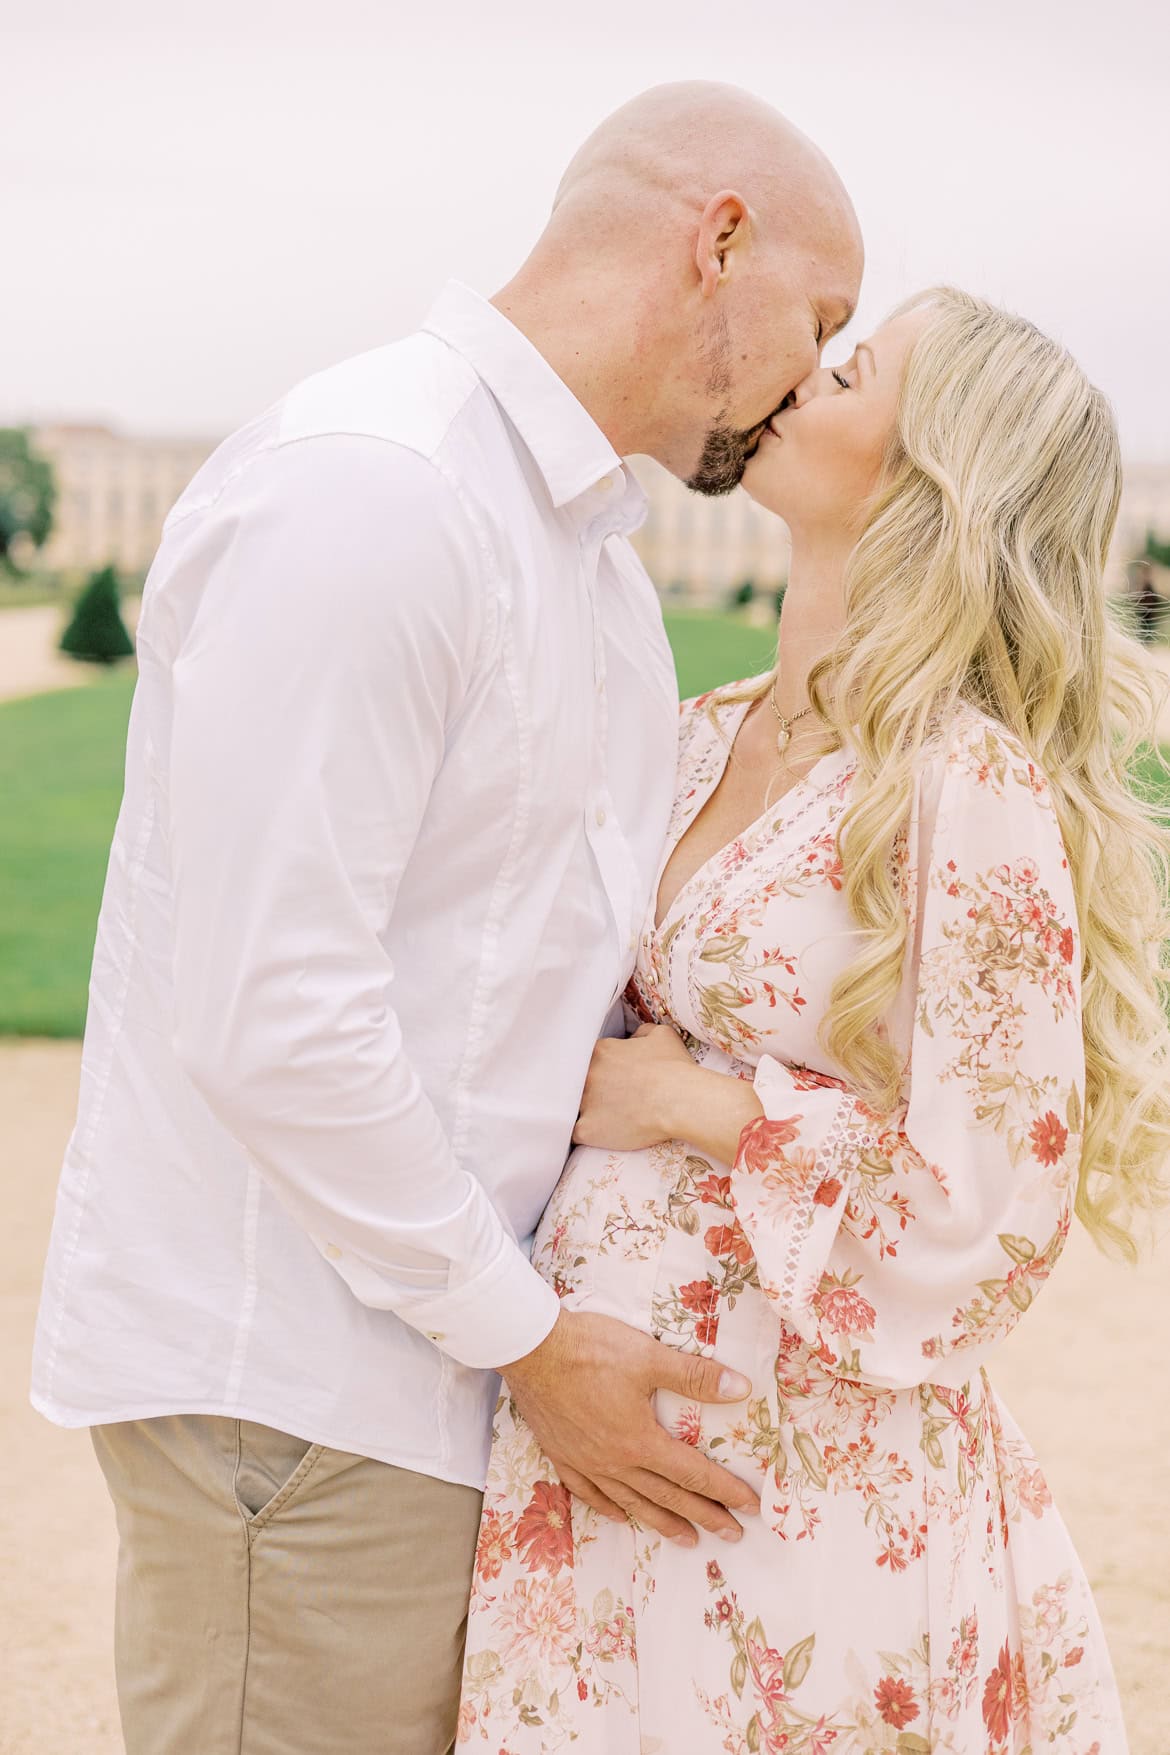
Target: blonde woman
[{"x": 900, "y": 1017}]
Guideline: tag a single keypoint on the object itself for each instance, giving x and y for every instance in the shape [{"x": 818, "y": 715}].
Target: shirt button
[
  {"x": 333, "y": 1252},
  {"x": 599, "y": 816},
  {"x": 435, "y": 1335}
]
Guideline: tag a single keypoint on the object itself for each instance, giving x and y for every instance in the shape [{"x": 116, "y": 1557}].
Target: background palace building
[{"x": 114, "y": 490}]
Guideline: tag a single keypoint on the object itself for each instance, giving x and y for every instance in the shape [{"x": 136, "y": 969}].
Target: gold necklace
[{"x": 784, "y": 735}]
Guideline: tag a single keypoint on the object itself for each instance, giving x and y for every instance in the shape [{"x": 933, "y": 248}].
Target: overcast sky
[{"x": 203, "y": 203}]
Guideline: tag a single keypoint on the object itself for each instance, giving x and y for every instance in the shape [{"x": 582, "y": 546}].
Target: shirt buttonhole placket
[{"x": 591, "y": 552}]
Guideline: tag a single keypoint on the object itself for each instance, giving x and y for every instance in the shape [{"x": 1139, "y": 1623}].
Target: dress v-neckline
[{"x": 739, "y": 710}]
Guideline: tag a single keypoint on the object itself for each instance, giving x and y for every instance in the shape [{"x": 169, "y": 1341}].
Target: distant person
[
  {"x": 1146, "y": 600},
  {"x": 898, "y": 1016},
  {"x": 399, "y": 766}
]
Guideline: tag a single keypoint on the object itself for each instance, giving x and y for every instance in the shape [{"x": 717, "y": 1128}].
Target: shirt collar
[{"x": 568, "y": 447}]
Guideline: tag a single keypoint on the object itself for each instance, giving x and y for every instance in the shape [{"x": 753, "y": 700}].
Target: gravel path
[
  {"x": 1085, "y": 1374},
  {"x": 30, "y": 663}
]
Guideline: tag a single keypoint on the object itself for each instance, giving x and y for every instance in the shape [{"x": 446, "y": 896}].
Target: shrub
[{"x": 97, "y": 632}]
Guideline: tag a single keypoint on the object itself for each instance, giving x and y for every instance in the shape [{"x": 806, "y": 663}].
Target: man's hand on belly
[{"x": 587, "y": 1393}]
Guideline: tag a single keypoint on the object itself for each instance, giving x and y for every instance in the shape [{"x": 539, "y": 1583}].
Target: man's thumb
[{"x": 701, "y": 1380}]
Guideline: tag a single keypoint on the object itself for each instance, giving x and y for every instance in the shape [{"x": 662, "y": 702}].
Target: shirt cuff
[
  {"x": 486, "y": 1322},
  {"x": 494, "y": 1319}
]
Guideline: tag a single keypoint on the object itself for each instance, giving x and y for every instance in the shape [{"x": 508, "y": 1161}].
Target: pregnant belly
[
  {"x": 651, "y": 1238},
  {"x": 601, "y": 1236}
]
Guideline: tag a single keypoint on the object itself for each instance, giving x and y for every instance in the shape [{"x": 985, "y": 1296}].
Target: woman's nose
[{"x": 813, "y": 384}]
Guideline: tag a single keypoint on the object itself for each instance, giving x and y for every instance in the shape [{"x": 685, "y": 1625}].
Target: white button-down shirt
[{"x": 398, "y": 771}]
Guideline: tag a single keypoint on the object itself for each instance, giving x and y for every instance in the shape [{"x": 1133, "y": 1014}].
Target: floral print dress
[{"x": 910, "y": 1587}]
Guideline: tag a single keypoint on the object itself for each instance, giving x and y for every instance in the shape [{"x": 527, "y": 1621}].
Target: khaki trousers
[{"x": 276, "y": 1597}]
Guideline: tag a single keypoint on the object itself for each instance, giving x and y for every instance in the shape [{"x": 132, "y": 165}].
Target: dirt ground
[
  {"x": 30, "y": 663},
  {"x": 1085, "y": 1374}
]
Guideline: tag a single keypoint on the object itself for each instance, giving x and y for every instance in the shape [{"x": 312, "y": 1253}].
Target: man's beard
[
  {"x": 725, "y": 451},
  {"x": 725, "y": 457}
]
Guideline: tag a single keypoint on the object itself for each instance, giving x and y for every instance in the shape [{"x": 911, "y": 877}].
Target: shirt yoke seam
[{"x": 427, "y": 453}]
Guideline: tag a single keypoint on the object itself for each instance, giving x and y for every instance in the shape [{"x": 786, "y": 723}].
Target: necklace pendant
[{"x": 782, "y": 739}]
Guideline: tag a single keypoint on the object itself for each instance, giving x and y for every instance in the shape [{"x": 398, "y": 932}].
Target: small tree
[
  {"x": 97, "y": 631},
  {"x": 27, "y": 492},
  {"x": 1157, "y": 551},
  {"x": 742, "y": 595}
]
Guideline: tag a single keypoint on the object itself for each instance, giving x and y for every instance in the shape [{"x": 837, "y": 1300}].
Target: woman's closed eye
[{"x": 840, "y": 378}]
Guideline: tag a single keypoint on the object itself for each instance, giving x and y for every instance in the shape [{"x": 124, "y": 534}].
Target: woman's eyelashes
[{"x": 840, "y": 378}]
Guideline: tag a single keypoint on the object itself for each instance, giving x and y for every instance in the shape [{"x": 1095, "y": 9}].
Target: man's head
[{"x": 700, "y": 251}]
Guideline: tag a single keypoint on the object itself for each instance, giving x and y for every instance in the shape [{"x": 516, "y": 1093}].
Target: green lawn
[
  {"x": 40, "y": 588},
  {"x": 61, "y": 763},
  {"x": 710, "y": 649},
  {"x": 61, "y": 760}
]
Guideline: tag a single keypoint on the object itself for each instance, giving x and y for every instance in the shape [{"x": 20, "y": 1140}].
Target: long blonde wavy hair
[{"x": 980, "y": 576}]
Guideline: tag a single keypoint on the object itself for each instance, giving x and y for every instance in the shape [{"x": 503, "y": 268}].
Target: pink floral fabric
[{"x": 910, "y": 1588}]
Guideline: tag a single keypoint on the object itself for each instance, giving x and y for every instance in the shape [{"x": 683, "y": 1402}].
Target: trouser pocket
[{"x": 271, "y": 1468}]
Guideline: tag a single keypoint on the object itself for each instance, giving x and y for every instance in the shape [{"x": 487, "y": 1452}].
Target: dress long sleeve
[{"x": 901, "y": 1245}]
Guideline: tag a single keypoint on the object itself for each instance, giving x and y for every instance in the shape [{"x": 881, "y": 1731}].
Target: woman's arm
[{"x": 900, "y": 1246}]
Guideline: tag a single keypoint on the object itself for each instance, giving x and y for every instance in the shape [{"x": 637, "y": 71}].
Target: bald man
[{"x": 398, "y": 773}]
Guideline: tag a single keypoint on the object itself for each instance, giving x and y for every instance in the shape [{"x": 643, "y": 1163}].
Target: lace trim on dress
[
  {"x": 848, "y": 1137},
  {"x": 767, "y": 827}
]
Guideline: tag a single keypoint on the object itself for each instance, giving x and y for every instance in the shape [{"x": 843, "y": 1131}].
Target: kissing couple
[{"x": 839, "y": 993}]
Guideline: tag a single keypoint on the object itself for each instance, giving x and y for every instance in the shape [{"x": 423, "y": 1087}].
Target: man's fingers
[
  {"x": 581, "y": 1487},
  {"x": 647, "y": 1514},
  {"x": 623, "y": 1458},
  {"x": 687, "y": 1468},
  {"x": 706, "y": 1513},
  {"x": 696, "y": 1378}
]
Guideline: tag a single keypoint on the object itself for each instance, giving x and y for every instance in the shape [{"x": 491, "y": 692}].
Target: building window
[{"x": 114, "y": 505}]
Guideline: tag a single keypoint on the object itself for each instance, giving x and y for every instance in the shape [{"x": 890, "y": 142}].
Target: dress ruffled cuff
[{"x": 790, "y": 1184}]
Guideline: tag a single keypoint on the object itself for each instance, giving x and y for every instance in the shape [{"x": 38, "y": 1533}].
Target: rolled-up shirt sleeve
[{"x": 343, "y": 619}]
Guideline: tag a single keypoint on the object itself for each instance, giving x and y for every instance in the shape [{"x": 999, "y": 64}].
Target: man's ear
[{"x": 724, "y": 228}]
